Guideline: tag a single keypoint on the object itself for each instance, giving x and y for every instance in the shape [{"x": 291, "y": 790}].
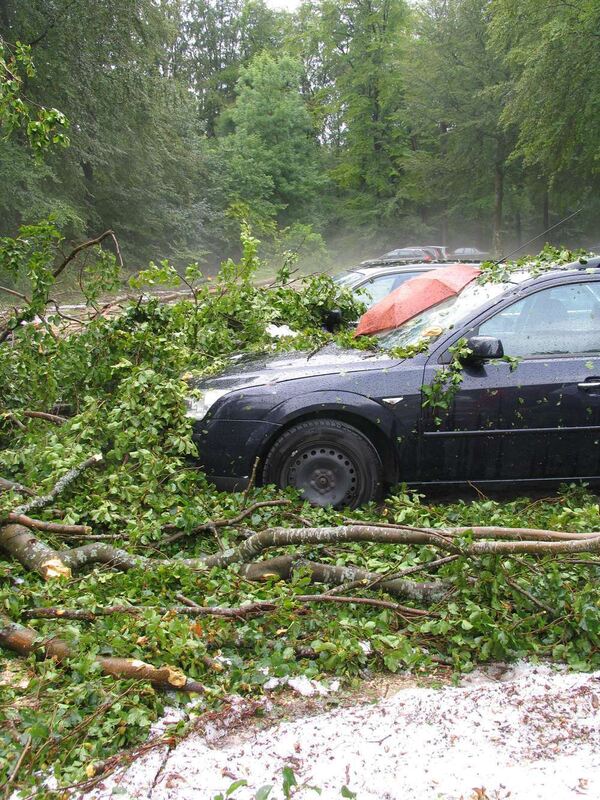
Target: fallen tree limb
[
  {"x": 543, "y": 606},
  {"x": 486, "y": 532},
  {"x": 34, "y": 554},
  {"x": 51, "y": 527},
  {"x": 45, "y": 500},
  {"x": 237, "y": 612},
  {"x": 391, "y": 577},
  {"x": 333, "y": 575},
  {"x": 24, "y": 641},
  {"x": 55, "y": 419},
  {"x": 282, "y": 537},
  {"x": 224, "y": 522},
  {"x": 12, "y": 486},
  {"x": 25, "y": 315}
]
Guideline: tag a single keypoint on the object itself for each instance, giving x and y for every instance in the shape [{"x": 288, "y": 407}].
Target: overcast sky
[{"x": 289, "y": 5}]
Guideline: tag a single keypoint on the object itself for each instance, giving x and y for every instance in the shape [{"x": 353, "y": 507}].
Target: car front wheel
[{"x": 330, "y": 462}]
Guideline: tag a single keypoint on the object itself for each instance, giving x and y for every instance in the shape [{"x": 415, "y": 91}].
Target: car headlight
[{"x": 198, "y": 407}]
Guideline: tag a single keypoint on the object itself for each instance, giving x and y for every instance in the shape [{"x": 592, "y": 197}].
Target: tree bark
[
  {"x": 546, "y": 210},
  {"x": 498, "y": 208},
  {"x": 24, "y": 641}
]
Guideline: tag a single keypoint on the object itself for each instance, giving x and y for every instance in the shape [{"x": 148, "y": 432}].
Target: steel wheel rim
[{"x": 324, "y": 474}]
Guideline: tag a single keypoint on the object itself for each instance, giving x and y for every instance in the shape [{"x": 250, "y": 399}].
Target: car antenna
[{"x": 539, "y": 236}]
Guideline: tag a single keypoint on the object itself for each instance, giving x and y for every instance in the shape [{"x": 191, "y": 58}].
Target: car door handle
[{"x": 591, "y": 383}]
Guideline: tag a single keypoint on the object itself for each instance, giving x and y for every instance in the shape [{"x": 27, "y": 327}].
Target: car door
[{"x": 535, "y": 418}]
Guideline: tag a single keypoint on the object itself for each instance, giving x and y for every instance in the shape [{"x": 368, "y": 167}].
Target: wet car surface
[{"x": 340, "y": 425}]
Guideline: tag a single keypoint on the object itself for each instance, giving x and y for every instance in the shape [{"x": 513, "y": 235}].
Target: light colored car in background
[{"x": 376, "y": 283}]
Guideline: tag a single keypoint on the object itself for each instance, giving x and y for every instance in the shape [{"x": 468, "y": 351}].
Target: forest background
[{"x": 340, "y": 129}]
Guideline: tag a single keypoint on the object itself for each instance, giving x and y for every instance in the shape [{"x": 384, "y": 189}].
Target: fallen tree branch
[
  {"x": 12, "y": 486},
  {"x": 84, "y": 246},
  {"x": 15, "y": 421},
  {"x": 237, "y": 612},
  {"x": 55, "y": 419},
  {"x": 282, "y": 537},
  {"x": 34, "y": 554},
  {"x": 50, "y": 527},
  {"x": 391, "y": 576},
  {"x": 284, "y": 567},
  {"x": 486, "y": 532},
  {"x": 24, "y": 641},
  {"x": 225, "y": 522},
  {"x": 25, "y": 315},
  {"x": 45, "y": 500},
  {"x": 543, "y": 606}
]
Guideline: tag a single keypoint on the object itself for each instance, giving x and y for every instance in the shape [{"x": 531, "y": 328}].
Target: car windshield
[
  {"x": 349, "y": 278},
  {"x": 445, "y": 315}
]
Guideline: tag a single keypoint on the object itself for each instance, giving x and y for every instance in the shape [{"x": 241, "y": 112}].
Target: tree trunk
[
  {"x": 498, "y": 204},
  {"x": 4, "y": 20},
  {"x": 546, "y": 210},
  {"x": 444, "y": 153}
]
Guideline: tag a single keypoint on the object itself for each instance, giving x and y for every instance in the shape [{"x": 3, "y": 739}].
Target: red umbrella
[{"x": 414, "y": 296}]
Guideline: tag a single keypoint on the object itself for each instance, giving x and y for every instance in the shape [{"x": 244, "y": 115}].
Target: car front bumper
[{"x": 228, "y": 449}]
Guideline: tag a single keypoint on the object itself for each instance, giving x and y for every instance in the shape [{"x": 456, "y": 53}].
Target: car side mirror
[{"x": 484, "y": 348}]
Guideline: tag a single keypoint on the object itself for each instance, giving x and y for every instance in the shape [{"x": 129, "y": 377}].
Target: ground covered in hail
[{"x": 522, "y": 731}]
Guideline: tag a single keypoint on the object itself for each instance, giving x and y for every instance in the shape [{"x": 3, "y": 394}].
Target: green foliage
[
  {"x": 33, "y": 261},
  {"x": 120, "y": 382},
  {"x": 440, "y": 393},
  {"x": 556, "y": 118},
  {"x": 42, "y": 127},
  {"x": 272, "y": 151},
  {"x": 547, "y": 259},
  {"x": 374, "y": 123}
]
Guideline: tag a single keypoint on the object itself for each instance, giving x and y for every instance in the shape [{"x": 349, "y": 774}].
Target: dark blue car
[{"x": 340, "y": 425}]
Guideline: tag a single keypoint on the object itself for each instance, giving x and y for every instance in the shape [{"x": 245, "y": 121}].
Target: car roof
[
  {"x": 377, "y": 269},
  {"x": 529, "y": 276}
]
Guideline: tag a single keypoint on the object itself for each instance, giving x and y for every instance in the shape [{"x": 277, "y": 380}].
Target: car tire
[{"x": 330, "y": 462}]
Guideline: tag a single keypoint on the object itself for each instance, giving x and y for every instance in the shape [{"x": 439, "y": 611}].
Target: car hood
[{"x": 258, "y": 370}]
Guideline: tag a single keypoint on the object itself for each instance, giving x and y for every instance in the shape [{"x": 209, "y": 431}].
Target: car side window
[
  {"x": 560, "y": 320},
  {"x": 403, "y": 277},
  {"x": 375, "y": 289}
]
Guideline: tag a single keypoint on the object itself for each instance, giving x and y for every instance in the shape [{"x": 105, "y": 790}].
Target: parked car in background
[
  {"x": 341, "y": 425},
  {"x": 438, "y": 251},
  {"x": 471, "y": 253},
  {"x": 402, "y": 254}
]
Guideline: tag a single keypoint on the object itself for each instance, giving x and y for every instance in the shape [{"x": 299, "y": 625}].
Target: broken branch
[
  {"x": 24, "y": 641},
  {"x": 12, "y": 486},
  {"x": 45, "y": 500},
  {"x": 55, "y": 419},
  {"x": 50, "y": 527}
]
